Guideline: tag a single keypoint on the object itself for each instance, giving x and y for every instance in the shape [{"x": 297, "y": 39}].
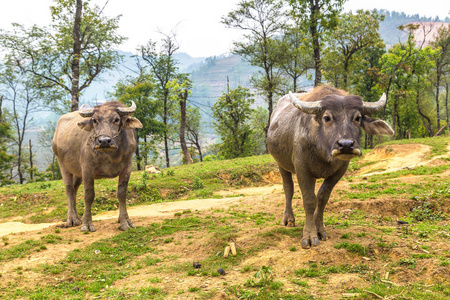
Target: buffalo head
[
  {"x": 339, "y": 119},
  {"x": 106, "y": 122}
]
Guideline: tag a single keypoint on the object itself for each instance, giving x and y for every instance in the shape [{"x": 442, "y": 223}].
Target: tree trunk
[
  {"x": 76, "y": 55},
  {"x": 446, "y": 102},
  {"x": 138, "y": 154},
  {"x": 187, "y": 157},
  {"x": 438, "y": 83},
  {"x": 316, "y": 44},
  {"x": 31, "y": 161},
  {"x": 429, "y": 124},
  {"x": 166, "y": 138}
]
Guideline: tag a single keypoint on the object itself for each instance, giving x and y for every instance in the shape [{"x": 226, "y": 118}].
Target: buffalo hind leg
[
  {"x": 322, "y": 199},
  {"x": 71, "y": 184},
  {"x": 288, "y": 186},
  {"x": 124, "y": 219},
  {"x": 310, "y": 236}
]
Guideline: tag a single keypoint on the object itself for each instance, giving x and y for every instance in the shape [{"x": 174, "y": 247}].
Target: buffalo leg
[
  {"x": 89, "y": 195},
  {"x": 288, "y": 186},
  {"x": 322, "y": 196},
  {"x": 307, "y": 184},
  {"x": 124, "y": 220},
  {"x": 71, "y": 185}
]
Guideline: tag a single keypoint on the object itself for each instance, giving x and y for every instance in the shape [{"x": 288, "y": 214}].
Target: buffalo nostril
[
  {"x": 346, "y": 145},
  {"x": 105, "y": 141}
]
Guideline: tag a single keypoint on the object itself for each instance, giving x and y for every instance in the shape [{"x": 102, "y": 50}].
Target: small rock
[
  {"x": 76, "y": 289},
  {"x": 221, "y": 271},
  {"x": 196, "y": 265}
]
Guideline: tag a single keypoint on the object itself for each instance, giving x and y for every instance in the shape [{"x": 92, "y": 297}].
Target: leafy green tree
[
  {"x": 318, "y": 17},
  {"x": 66, "y": 57},
  {"x": 194, "y": 129},
  {"x": 404, "y": 74},
  {"x": 141, "y": 90},
  {"x": 232, "y": 112},
  {"x": 163, "y": 68},
  {"x": 296, "y": 56},
  {"x": 5, "y": 158},
  {"x": 258, "y": 121},
  {"x": 263, "y": 20},
  {"x": 180, "y": 89},
  {"x": 442, "y": 43},
  {"x": 21, "y": 93},
  {"x": 353, "y": 33}
]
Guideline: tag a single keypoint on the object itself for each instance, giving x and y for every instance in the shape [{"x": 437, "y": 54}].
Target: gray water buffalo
[
  {"x": 315, "y": 135},
  {"x": 95, "y": 143}
]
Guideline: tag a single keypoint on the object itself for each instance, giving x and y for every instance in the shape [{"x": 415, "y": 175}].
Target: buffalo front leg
[
  {"x": 89, "y": 195},
  {"x": 124, "y": 220},
  {"x": 71, "y": 184},
  {"x": 288, "y": 186},
  {"x": 307, "y": 184},
  {"x": 322, "y": 197}
]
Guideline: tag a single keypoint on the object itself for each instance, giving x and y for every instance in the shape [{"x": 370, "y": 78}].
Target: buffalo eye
[
  {"x": 358, "y": 119},
  {"x": 326, "y": 118},
  {"x": 94, "y": 121},
  {"x": 117, "y": 120}
]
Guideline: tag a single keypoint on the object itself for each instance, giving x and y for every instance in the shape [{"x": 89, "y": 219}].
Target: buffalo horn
[
  {"x": 126, "y": 111},
  {"x": 374, "y": 107},
  {"x": 86, "y": 111},
  {"x": 306, "y": 107}
]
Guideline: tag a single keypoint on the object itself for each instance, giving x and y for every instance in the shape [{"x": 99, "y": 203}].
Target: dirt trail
[{"x": 166, "y": 209}]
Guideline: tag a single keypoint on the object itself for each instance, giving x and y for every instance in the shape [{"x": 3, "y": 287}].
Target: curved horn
[
  {"x": 126, "y": 111},
  {"x": 86, "y": 111},
  {"x": 374, "y": 107},
  {"x": 306, "y": 107}
]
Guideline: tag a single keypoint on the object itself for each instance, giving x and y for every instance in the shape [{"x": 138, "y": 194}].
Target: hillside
[{"x": 387, "y": 221}]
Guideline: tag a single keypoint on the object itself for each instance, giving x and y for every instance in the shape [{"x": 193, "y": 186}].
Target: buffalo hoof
[
  {"x": 71, "y": 222},
  {"x": 127, "y": 224},
  {"x": 289, "y": 222},
  {"x": 322, "y": 235},
  {"x": 308, "y": 243},
  {"x": 87, "y": 227}
]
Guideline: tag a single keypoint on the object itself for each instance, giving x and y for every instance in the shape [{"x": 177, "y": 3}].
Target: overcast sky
[{"x": 196, "y": 22}]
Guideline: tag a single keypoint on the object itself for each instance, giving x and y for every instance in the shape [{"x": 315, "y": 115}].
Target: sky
[{"x": 196, "y": 23}]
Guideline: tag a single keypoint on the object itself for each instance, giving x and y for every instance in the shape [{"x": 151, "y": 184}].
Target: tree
[
  {"x": 19, "y": 90},
  {"x": 164, "y": 69},
  {"x": 232, "y": 112},
  {"x": 318, "y": 17},
  {"x": 5, "y": 158},
  {"x": 68, "y": 56},
  {"x": 264, "y": 21},
  {"x": 296, "y": 57},
  {"x": 194, "y": 129},
  {"x": 442, "y": 43},
  {"x": 404, "y": 73},
  {"x": 45, "y": 138},
  {"x": 180, "y": 89},
  {"x": 352, "y": 34},
  {"x": 141, "y": 90}
]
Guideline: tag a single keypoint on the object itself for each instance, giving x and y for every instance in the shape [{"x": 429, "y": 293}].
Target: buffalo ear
[
  {"x": 131, "y": 123},
  {"x": 85, "y": 125},
  {"x": 376, "y": 127}
]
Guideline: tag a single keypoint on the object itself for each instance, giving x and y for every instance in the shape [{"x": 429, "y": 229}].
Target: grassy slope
[{"x": 416, "y": 256}]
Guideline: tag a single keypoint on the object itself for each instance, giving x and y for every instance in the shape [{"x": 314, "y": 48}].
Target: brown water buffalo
[
  {"x": 314, "y": 135},
  {"x": 96, "y": 143}
]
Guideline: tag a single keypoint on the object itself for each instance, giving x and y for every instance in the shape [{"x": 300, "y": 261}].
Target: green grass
[{"x": 46, "y": 201}]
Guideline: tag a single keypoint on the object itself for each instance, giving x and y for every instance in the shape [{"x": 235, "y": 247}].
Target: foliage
[
  {"x": 47, "y": 53},
  {"x": 232, "y": 111}
]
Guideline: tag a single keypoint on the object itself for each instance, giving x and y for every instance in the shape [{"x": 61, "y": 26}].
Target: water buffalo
[
  {"x": 315, "y": 135},
  {"x": 95, "y": 143}
]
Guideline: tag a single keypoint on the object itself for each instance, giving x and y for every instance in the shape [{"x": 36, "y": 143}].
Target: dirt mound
[{"x": 392, "y": 158}]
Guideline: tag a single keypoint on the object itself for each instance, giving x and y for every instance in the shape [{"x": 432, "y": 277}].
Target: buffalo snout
[
  {"x": 105, "y": 143},
  {"x": 345, "y": 149}
]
